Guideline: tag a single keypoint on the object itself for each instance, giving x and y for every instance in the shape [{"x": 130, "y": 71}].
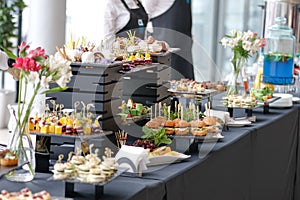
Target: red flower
[{"x": 27, "y": 64}]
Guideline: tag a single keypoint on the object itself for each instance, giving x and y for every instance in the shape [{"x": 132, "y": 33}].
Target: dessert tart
[{"x": 8, "y": 159}]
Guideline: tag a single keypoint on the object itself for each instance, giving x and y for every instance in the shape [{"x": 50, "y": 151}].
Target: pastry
[{"x": 9, "y": 159}]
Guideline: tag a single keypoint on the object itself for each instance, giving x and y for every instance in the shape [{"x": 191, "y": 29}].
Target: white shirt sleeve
[
  {"x": 114, "y": 17},
  {"x": 3, "y": 60}
]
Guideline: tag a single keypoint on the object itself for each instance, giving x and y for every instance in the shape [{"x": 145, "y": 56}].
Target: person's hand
[{"x": 14, "y": 72}]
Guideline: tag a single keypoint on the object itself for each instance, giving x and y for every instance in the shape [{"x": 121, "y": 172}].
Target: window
[{"x": 211, "y": 20}]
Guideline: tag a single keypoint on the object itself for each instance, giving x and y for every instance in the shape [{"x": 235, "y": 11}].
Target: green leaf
[
  {"x": 9, "y": 53},
  {"x": 166, "y": 141},
  {"x": 39, "y": 59},
  {"x": 56, "y": 89},
  {"x": 144, "y": 137}
]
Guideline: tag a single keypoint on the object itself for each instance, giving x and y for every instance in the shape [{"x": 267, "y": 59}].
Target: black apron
[
  {"x": 175, "y": 27},
  {"x": 137, "y": 22}
]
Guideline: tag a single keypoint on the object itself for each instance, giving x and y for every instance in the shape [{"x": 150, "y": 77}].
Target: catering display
[{"x": 129, "y": 79}]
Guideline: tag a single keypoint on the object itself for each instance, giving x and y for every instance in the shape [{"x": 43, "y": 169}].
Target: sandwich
[
  {"x": 169, "y": 127},
  {"x": 198, "y": 128},
  {"x": 182, "y": 127}
]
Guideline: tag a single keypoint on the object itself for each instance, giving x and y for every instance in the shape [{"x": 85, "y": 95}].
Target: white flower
[
  {"x": 224, "y": 42},
  {"x": 233, "y": 32},
  {"x": 247, "y": 45},
  {"x": 45, "y": 81},
  {"x": 33, "y": 77},
  {"x": 57, "y": 62},
  {"x": 62, "y": 81},
  {"x": 243, "y": 44},
  {"x": 234, "y": 42},
  {"x": 239, "y": 35}
]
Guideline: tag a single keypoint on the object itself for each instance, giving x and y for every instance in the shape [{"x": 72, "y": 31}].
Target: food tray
[
  {"x": 166, "y": 159},
  {"x": 6, "y": 169},
  {"x": 202, "y": 139},
  {"x": 248, "y": 109},
  {"x": 140, "y": 68},
  {"x": 130, "y": 120},
  {"x": 206, "y": 92},
  {"x": 99, "y": 187},
  {"x": 83, "y": 137},
  {"x": 118, "y": 173},
  {"x": 258, "y": 103},
  {"x": 268, "y": 101}
]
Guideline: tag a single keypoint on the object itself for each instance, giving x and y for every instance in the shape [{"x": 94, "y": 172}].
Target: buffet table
[{"x": 256, "y": 162}]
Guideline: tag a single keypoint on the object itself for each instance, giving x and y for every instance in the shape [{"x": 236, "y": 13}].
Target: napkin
[
  {"x": 224, "y": 116},
  {"x": 137, "y": 155}
]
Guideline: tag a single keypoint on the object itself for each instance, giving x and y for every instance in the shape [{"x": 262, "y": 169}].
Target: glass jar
[{"x": 279, "y": 54}]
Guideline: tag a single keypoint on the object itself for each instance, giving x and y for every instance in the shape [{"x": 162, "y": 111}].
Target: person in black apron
[
  {"x": 175, "y": 27},
  {"x": 137, "y": 22}
]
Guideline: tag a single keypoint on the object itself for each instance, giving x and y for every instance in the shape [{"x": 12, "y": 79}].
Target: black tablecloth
[
  {"x": 255, "y": 162},
  {"x": 121, "y": 188}
]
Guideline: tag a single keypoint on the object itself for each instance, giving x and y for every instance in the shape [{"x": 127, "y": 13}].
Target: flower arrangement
[
  {"x": 243, "y": 46},
  {"x": 38, "y": 69}
]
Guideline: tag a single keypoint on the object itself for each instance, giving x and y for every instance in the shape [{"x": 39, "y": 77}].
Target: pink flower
[
  {"x": 36, "y": 52},
  {"x": 263, "y": 42},
  {"x": 27, "y": 64},
  {"x": 23, "y": 45},
  {"x": 253, "y": 35}
]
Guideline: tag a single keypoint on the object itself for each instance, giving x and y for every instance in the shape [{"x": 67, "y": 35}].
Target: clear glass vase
[
  {"x": 21, "y": 145},
  {"x": 235, "y": 85}
]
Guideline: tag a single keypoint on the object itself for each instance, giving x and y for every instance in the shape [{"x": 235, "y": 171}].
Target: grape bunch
[{"x": 146, "y": 144}]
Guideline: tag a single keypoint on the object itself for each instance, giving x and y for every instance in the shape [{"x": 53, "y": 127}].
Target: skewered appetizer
[
  {"x": 234, "y": 101},
  {"x": 89, "y": 168}
]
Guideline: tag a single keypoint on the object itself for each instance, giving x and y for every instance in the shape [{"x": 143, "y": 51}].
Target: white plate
[
  {"x": 166, "y": 159},
  {"x": 284, "y": 101},
  {"x": 295, "y": 99},
  {"x": 238, "y": 123}
]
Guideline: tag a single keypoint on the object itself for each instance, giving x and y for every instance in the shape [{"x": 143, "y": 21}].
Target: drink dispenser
[{"x": 279, "y": 54}]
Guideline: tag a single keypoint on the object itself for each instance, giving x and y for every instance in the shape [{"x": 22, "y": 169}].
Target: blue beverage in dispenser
[
  {"x": 279, "y": 54},
  {"x": 278, "y": 69}
]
